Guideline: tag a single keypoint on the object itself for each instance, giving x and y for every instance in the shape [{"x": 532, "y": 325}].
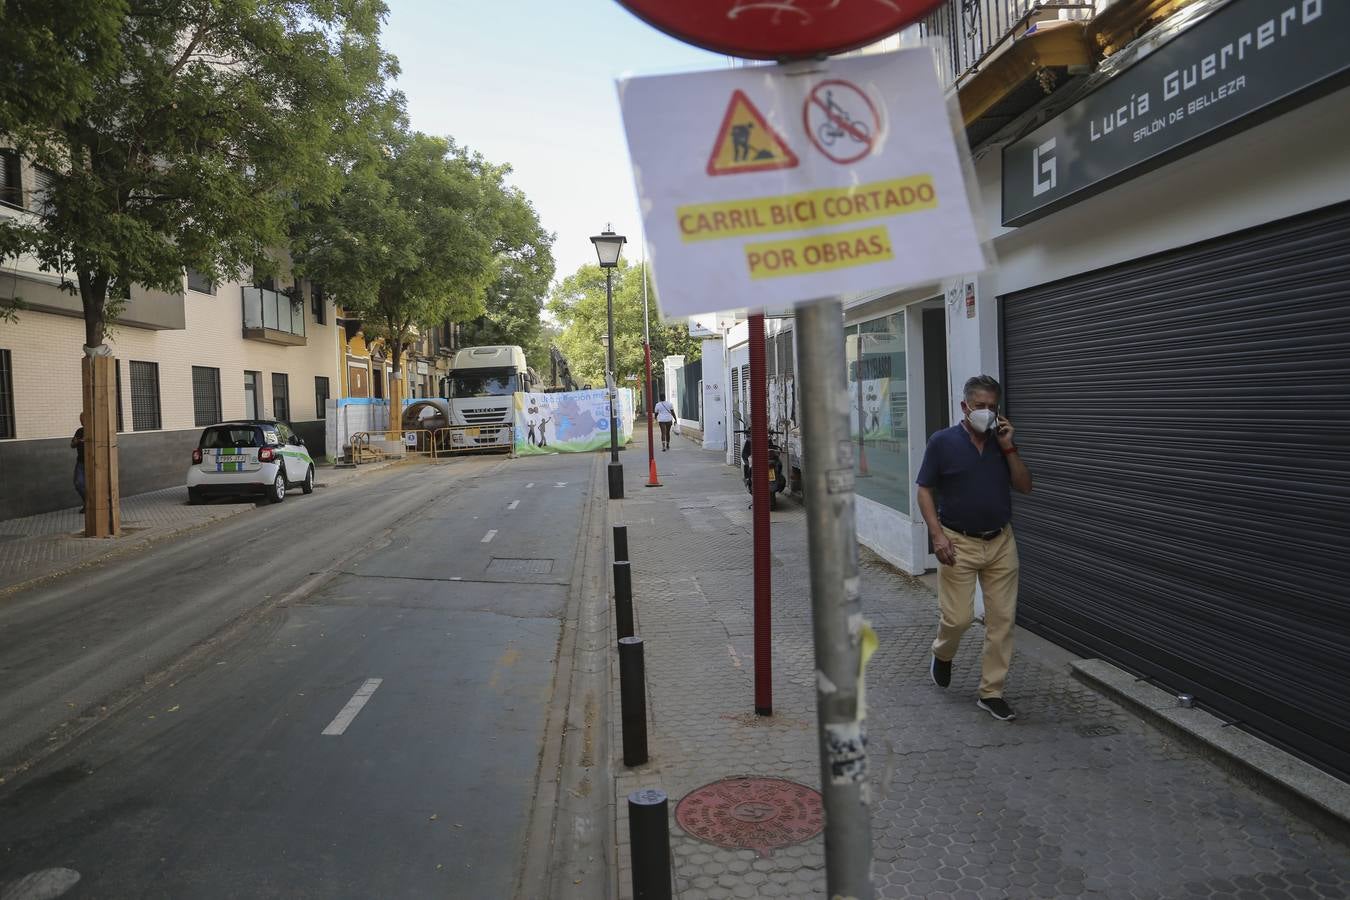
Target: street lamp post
[{"x": 608, "y": 246}]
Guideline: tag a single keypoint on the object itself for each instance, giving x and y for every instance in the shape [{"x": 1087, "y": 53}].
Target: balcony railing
[
  {"x": 273, "y": 316},
  {"x": 971, "y": 32}
]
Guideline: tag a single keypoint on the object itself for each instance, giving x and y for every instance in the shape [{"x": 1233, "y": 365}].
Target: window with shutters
[
  {"x": 40, "y": 198},
  {"x": 206, "y": 395},
  {"x": 145, "y": 396},
  {"x": 281, "y": 397},
  {"x": 200, "y": 283},
  {"x": 11, "y": 187},
  {"x": 6, "y": 396},
  {"x": 320, "y": 396}
]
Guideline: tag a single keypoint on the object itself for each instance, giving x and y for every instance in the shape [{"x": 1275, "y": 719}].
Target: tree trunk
[{"x": 102, "y": 508}]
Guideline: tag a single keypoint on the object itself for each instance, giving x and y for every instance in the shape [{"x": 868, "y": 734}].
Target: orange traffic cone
[{"x": 652, "y": 480}]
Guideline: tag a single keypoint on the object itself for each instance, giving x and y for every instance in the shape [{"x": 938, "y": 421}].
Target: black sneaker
[
  {"x": 997, "y": 707},
  {"x": 941, "y": 672}
]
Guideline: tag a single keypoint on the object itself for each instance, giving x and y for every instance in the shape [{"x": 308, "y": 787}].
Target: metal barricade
[
  {"x": 416, "y": 442},
  {"x": 454, "y": 439}
]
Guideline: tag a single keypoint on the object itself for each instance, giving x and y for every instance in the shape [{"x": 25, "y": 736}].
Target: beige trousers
[{"x": 994, "y": 563}]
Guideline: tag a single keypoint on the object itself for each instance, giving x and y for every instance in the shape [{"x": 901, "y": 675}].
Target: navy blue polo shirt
[{"x": 974, "y": 489}]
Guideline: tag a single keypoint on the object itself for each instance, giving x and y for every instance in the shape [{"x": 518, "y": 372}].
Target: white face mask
[{"x": 982, "y": 419}]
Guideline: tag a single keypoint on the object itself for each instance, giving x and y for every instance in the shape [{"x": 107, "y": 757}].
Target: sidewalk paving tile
[{"x": 1077, "y": 797}]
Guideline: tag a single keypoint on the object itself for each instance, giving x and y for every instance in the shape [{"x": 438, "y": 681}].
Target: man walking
[
  {"x": 964, "y": 495},
  {"x": 665, "y": 417}
]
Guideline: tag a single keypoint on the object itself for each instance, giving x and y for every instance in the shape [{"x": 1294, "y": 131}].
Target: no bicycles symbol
[{"x": 841, "y": 120}]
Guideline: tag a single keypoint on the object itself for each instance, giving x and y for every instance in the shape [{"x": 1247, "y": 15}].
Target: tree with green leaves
[
  {"x": 178, "y": 133},
  {"x": 517, "y": 294},
  {"x": 578, "y": 303},
  {"x": 419, "y": 231}
]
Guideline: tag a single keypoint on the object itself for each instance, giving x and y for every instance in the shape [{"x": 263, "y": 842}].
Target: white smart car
[{"x": 254, "y": 457}]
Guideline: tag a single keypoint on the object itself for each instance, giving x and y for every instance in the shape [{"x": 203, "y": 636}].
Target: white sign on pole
[{"x": 762, "y": 186}]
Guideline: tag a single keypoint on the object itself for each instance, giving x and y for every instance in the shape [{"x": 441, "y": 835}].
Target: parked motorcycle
[{"x": 776, "y": 476}]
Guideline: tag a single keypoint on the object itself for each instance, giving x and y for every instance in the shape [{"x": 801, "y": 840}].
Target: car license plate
[{"x": 231, "y": 459}]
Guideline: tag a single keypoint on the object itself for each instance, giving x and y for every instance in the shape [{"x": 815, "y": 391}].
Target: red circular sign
[
  {"x": 841, "y": 120},
  {"x": 779, "y": 29}
]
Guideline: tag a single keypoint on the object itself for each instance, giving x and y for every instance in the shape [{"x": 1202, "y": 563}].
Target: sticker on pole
[
  {"x": 746, "y": 143},
  {"x": 828, "y": 178},
  {"x": 841, "y": 120}
]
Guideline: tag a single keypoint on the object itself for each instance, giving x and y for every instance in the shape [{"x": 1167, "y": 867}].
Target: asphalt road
[{"x": 342, "y": 696}]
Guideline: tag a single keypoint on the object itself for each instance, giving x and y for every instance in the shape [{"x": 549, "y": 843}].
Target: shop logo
[{"x": 1043, "y": 168}]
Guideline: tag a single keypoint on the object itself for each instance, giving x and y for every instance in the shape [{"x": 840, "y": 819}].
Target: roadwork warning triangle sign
[{"x": 746, "y": 143}]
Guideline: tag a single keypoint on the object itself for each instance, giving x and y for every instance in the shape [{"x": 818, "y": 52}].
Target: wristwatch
[{"x": 1009, "y": 451}]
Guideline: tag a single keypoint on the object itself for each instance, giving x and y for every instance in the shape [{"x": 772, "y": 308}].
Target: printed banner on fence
[{"x": 570, "y": 422}]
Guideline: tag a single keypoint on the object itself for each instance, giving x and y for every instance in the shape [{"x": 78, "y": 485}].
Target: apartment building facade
[{"x": 184, "y": 360}]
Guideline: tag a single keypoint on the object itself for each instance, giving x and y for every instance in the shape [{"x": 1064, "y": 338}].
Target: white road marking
[
  {"x": 513, "y": 504},
  {"x": 354, "y": 706},
  {"x": 735, "y": 660},
  {"x": 562, "y": 484},
  {"x": 489, "y": 536},
  {"x": 530, "y": 485}
]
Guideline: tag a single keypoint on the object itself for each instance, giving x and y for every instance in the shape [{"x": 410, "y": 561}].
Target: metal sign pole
[
  {"x": 836, "y": 610},
  {"x": 761, "y": 494}
]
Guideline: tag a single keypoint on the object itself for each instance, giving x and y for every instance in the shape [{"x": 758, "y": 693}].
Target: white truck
[{"x": 480, "y": 393}]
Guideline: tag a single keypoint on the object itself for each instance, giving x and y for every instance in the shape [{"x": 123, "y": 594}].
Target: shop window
[
  {"x": 377, "y": 381},
  {"x": 878, "y": 413},
  {"x": 145, "y": 396},
  {"x": 320, "y": 396},
  {"x": 6, "y": 396},
  {"x": 205, "y": 395},
  {"x": 281, "y": 397}
]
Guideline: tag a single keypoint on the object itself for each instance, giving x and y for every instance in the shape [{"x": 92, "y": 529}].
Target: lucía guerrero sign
[
  {"x": 764, "y": 186},
  {"x": 778, "y": 29}
]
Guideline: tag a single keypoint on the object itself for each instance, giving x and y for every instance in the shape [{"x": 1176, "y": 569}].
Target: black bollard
[
  {"x": 649, "y": 843},
  {"x": 633, "y": 700},
  {"x": 621, "y": 543},
  {"x": 623, "y": 598}
]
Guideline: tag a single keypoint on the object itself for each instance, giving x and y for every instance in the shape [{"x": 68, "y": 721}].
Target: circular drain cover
[{"x": 752, "y": 813}]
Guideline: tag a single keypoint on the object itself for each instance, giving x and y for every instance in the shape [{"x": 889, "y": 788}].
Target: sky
[{"x": 532, "y": 83}]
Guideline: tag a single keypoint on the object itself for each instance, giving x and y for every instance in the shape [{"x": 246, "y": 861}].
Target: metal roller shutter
[{"x": 1187, "y": 420}]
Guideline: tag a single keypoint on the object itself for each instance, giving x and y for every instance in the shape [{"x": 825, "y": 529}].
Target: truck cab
[{"x": 480, "y": 391}]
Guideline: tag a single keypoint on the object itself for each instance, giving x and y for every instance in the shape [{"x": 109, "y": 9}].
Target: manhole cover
[
  {"x": 1096, "y": 730},
  {"x": 509, "y": 566},
  {"x": 752, "y": 813}
]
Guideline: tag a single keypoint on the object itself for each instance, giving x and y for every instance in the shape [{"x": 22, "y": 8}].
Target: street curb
[
  {"x": 1304, "y": 789},
  {"x": 574, "y": 763}
]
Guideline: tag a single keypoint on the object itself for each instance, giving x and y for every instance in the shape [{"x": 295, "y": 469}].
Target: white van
[{"x": 480, "y": 389}]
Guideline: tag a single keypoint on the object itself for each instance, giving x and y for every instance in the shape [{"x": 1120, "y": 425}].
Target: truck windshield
[{"x": 483, "y": 383}]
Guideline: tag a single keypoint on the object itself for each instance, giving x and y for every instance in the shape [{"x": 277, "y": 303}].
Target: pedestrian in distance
[
  {"x": 77, "y": 444},
  {"x": 665, "y": 417},
  {"x": 965, "y": 494}
]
